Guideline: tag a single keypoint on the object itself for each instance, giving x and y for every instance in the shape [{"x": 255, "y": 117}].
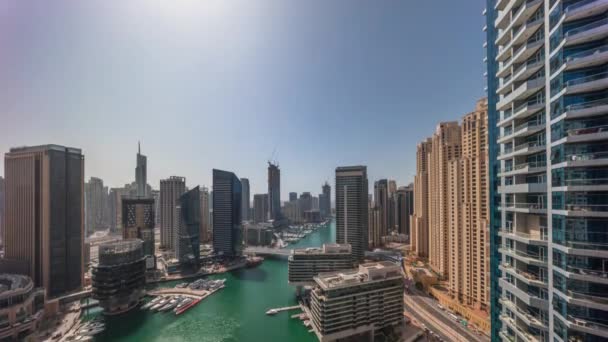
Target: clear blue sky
[{"x": 221, "y": 84}]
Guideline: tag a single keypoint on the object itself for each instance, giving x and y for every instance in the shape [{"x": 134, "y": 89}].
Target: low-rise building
[
  {"x": 21, "y": 308},
  {"x": 304, "y": 264},
  {"x": 357, "y": 302}
]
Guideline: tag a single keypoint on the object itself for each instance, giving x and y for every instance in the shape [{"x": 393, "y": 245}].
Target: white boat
[
  {"x": 172, "y": 304},
  {"x": 151, "y": 303},
  {"x": 272, "y": 312},
  {"x": 160, "y": 304}
]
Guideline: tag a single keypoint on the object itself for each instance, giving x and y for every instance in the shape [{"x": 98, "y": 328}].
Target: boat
[
  {"x": 272, "y": 312},
  {"x": 188, "y": 306},
  {"x": 151, "y": 303},
  {"x": 172, "y": 304},
  {"x": 160, "y": 304},
  {"x": 183, "y": 303}
]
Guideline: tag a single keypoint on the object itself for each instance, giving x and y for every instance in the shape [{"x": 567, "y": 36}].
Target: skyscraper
[
  {"x": 325, "y": 201},
  {"x": 445, "y": 148},
  {"x": 405, "y": 208},
  {"x": 546, "y": 64},
  {"x": 1, "y": 210},
  {"x": 44, "y": 209},
  {"x": 246, "y": 200},
  {"x": 260, "y": 208},
  {"x": 205, "y": 230},
  {"x": 351, "y": 209},
  {"x": 170, "y": 190},
  {"x": 187, "y": 239},
  {"x": 419, "y": 241},
  {"x": 227, "y": 227},
  {"x": 95, "y": 199},
  {"x": 141, "y": 173},
  {"x": 274, "y": 191},
  {"x": 304, "y": 203},
  {"x": 382, "y": 203}
]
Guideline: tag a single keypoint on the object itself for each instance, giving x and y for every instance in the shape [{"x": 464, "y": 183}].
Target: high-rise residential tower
[
  {"x": 246, "y": 200},
  {"x": 293, "y": 196},
  {"x": 382, "y": 203},
  {"x": 141, "y": 173},
  {"x": 419, "y": 241},
  {"x": 274, "y": 191},
  {"x": 405, "y": 208},
  {"x": 44, "y": 210},
  {"x": 170, "y": 191},
  {"x": 227, "y": 227},
  {"x": 1, "y": 209},
  {"x": 325, "y": 201},
  {"x": 138, "y": 220},
  {"x": 547, "y": 91},
  {"x": 260, "y": 208},
  {"x": 445, "y": 148},
  {"x": 351, "y": 209}
]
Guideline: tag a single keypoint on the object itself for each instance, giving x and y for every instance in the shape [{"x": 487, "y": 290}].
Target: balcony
[
  {"x": 522, "y": 150},
  {"x": 524, "y": 168},
  {"x": 588, "y": 134},
  {"x": 588, "y": 58},
  {"x": 587, "y": 84},
  {"x": 526, "y": 208},
  {"x": 584, "y": 9},
  {"x": 522, "y": 334},
  {"x": 585, "y": 109},
  {"x": 525, "y": 316},
  {"x": 523, "y": 188},
  {"x": 530, "y": 259},
  {"x": 584, "y": 274},
  {"x": 583, "y": 210},
  {"x": 502, "y": 19},
  {"x": 583, "y": 243},
  {"x": 524, "y": 12},
  {"x": 502, "y": 4},
  {"x": 523, "y": 91},
  {"x": 523, "y": 130},
  {"x": 583, "y": 160},
  {"x": 524, "y": 276},
  {"x": 587, "y": 33},
  {"x": 584, "y": 325},
  {"x": 580, "y": 184},
  {"x": 529, "y": 298},
  {"x": 536, "y": 237},
  {"x": 595, "y": 301}
]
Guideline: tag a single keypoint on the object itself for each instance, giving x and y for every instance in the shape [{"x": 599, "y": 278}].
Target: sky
[{"x": 312, "y": 84}]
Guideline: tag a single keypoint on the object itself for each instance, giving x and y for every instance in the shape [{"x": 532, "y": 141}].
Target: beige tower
[
  {"x": 469, "y": 213},
  {"x": 446, "y": 148},
  {"x": 420, "y": 219}
]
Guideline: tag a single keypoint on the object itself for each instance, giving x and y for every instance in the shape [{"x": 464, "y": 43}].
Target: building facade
[
  {"x": 357, "y": 302},
  {"x": 21, "y": 308},
  {"x": 306, "y": 263},
  {"x": 260, "y": 208},
  {"x": 170, "y": 191},
  {"x": 1, "y": 210},
  {"x": 351, "y": 209},
  {"x": 227, "y": 227},
  {"x": 246, "y": 200},
  {"x": 274, "y": 191},
  {"x": 44, "y": 208},
  {"x": 138, "y": 220},
  {"x": 205, "y": 231},
  {"x": 293, "y": 196},
  {"x": 119, "y": 278},
  {"x": 546, "y": 84},
  {"x": 95, "y": 199},
  {"x": 187, "y": 239}
]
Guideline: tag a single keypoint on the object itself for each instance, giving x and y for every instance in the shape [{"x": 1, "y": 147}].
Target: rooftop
[
  {"x": 20, "y": 149},
  {"x": 329, "y": 248},
  {"x": 366, "y": 273}
]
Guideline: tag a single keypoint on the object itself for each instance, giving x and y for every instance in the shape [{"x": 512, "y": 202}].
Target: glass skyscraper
[
  {"x": 227, "y": 199},
  {"x": 547, "y": 69}
]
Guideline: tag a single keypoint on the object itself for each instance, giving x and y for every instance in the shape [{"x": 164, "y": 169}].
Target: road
[{"x": 425, "y": 309}]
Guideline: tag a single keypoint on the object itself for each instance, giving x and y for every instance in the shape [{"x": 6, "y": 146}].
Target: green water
[{"x": 235, "y": 313}]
